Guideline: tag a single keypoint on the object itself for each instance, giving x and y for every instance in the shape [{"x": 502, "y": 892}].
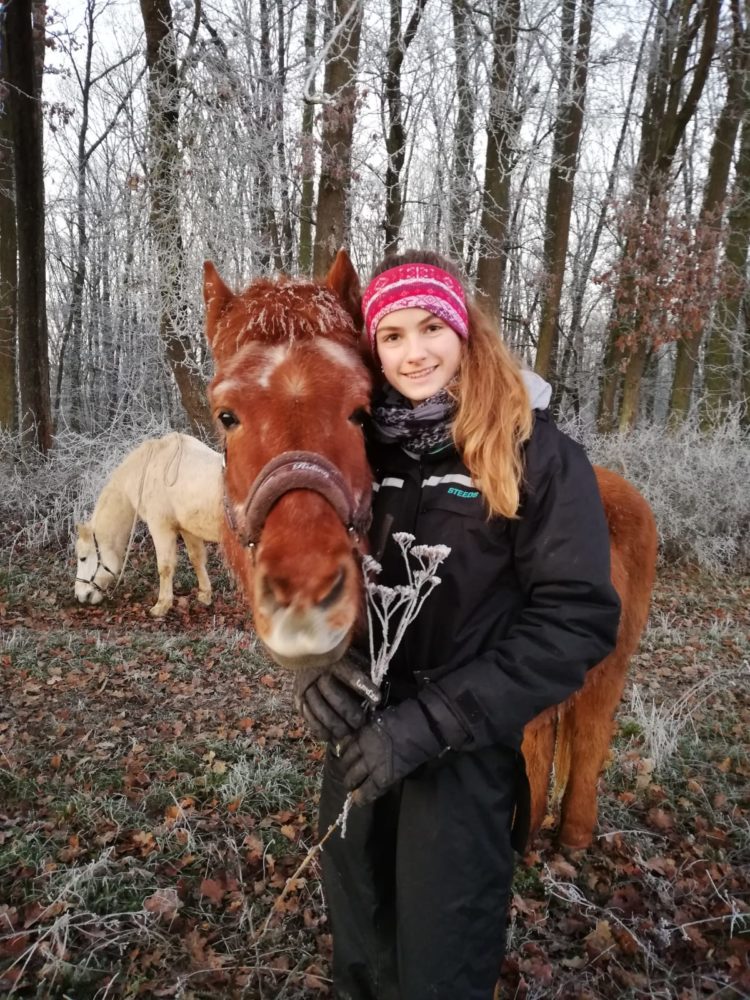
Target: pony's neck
[{"x": 112, "y": 521}]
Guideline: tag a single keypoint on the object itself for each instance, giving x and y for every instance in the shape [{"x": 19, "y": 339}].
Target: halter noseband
[
  {"x": 298, "y": 470},
  {"x": 100, "y": 564}
]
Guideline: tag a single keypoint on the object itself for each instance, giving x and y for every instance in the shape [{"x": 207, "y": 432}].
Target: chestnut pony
[{"x": 290, "y": 385}]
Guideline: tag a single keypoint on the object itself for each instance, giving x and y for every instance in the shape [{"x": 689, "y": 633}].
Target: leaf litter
[{"x": 158, "y": 792}]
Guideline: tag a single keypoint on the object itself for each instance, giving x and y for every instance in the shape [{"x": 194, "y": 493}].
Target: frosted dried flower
[
  {"x": 400, "y": 605},
  {"x": 402, "y": 537},
  {"x": 370, "y": 565}
]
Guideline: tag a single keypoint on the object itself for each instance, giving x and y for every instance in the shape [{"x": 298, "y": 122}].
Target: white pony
[{"x": 174, "y": 484}]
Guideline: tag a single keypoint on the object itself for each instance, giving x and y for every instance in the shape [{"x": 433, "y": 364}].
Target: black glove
[
  {"x": 397, "y": 742},
  {"x": 334, "y": 700}
]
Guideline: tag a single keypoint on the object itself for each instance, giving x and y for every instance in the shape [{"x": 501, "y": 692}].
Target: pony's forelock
[{"x": 281, "y": 311}]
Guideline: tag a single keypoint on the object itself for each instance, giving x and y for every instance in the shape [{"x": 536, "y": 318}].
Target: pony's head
[
  {"x": 96, "y": 569},
  {"x": 288, "y": 394}
]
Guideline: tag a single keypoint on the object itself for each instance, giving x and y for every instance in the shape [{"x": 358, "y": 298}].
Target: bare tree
[
  {"x": 719, "y": 379},
  {"x": 395, "y": 140},
  {"x": 339, "y": 113},
  {"x": 24, "y": 79},
  {"x": 574, "y": 64},
  {"x": 736, "y": 106},
  {"x": 307, "y": 145},
  {"x": 680, "y": 25},
  {"x": 463, "y": 135},
  {"x": 502, "y": 124},
  {"x": 8, "y": 250},
  {"x": 164, "y": 186},
  {"x": 72, "y": 339}
]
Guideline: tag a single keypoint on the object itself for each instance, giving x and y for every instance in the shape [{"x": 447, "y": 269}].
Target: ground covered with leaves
[{"x": 157, "y": 792}]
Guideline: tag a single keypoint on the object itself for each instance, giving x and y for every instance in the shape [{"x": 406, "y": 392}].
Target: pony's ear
[
  {"x": 216, "y": 295},
  {"x": 343, "y": 281},
  {"x": 84, "y": 531}
]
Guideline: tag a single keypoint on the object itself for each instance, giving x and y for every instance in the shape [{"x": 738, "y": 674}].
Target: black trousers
[{"x": 417, "y": 890}]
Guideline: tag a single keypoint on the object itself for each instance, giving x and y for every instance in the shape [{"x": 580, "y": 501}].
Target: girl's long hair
[{"x": 493, "y": 418}]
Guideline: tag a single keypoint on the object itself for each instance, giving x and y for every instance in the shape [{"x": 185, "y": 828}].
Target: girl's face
[{"x": 419, "y": 353}]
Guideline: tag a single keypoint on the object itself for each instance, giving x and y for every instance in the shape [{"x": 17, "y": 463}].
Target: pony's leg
[
  {"x": 196, "y": 550},
  {"x": 538, "y": 748},
  {"x": 588, "y": 724},
  {"x": 165, "y": 543}
]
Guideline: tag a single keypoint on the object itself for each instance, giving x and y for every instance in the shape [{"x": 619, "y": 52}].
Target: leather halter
[
  {"x": 100, "y": 564},
  {"x": 298, "y": 470}
]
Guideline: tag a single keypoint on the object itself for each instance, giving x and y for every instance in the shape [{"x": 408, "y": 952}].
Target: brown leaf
[
  {"x": 560, "y": 866},
  {"x": 600, "y": 939},
  {"x": 659, "y": 819},
  {"x": 164, "y": 903},
  {"x": 663, "y": 866},
  {"x": 213, "y": 890}
]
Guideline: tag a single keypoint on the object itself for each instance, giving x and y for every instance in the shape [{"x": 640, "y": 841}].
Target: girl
[{"x": 465, "y": 454}]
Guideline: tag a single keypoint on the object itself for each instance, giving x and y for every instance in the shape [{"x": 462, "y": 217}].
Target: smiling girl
[{"x": 465, "y": 454}]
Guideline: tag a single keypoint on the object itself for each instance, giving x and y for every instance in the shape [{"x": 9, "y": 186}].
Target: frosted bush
[
  {"x": 42, "y": 499},
  {"x": 696, "y": 483}
]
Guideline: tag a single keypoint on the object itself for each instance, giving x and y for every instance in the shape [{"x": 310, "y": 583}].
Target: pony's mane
[{"x": 284, "y": 311}]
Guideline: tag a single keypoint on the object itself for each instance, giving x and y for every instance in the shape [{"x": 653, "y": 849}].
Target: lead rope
[{"x": 135, "y": 517}]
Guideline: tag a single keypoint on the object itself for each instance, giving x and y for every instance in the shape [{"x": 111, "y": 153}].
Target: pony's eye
[
  {"x": 358, "y": 416},
  {"x": 227, "y": 419}
]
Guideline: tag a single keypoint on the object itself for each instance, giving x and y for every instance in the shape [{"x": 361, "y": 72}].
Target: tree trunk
[
  {"x": 307, "y": 143},
  {"x": 720, "y": 162},
  {"x": 286, "y": 235},
  {"x": 395, "y": 140},
  {"x": 8, "y": 254},
  {"x": 502, "y": 125},
  {"x": 463, "y": 135},
  {"x": 271, "y": 246},
  {"x": 35, "y": 418},
  {"x": 745, "y": 373},
  {"x": 340, "y": 87},
  {"x": 719, "y": 361},
  {"x": 571, "y": 100},
  {"x": 166, "y": 232}
]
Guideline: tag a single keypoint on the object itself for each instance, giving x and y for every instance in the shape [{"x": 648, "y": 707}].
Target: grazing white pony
[{"x": 174, "y": 484}]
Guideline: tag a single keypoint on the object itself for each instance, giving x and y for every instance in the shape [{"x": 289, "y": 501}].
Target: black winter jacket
[{"x": 525, "y": 606}]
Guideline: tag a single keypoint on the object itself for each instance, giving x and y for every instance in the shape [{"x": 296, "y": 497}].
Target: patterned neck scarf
[{"x": 420, "y": 429}]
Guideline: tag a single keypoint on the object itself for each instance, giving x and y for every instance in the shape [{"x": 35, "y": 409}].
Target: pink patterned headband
[{"x": 415, "y": 286}]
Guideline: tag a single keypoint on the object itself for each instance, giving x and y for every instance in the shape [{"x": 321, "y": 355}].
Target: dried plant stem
[{"x": 312, "y": 853}]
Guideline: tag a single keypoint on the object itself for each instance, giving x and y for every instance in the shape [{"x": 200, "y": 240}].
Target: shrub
[{"x": 695, "y": 482}]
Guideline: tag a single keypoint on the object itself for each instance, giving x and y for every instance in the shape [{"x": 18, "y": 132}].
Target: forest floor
[{"x": 157, "y": 791}]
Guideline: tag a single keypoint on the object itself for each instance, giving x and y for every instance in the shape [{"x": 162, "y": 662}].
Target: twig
[{"x": 313, "y": 852}]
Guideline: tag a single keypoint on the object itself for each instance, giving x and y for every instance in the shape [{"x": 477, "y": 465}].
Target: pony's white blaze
[
  {"x": 341, "y": 355},
  {"x": 174, "y": 484},
  {"x": 274, "y": 357},
  {"x": 295, "y": 382},
  {"x": 229, "y": 384}
]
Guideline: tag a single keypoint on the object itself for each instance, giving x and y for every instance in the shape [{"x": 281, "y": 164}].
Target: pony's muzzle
[{"x": 90, "y": 596}]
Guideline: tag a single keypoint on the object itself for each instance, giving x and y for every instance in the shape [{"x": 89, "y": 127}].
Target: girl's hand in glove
[
  {"x": 334, "y": 702},
  {"x": 393, "y": 745}
]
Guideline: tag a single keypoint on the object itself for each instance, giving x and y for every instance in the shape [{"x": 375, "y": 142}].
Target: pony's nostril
[
  {"x": 275, "y": 592},
  {"x": 336, "y": 592}
]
